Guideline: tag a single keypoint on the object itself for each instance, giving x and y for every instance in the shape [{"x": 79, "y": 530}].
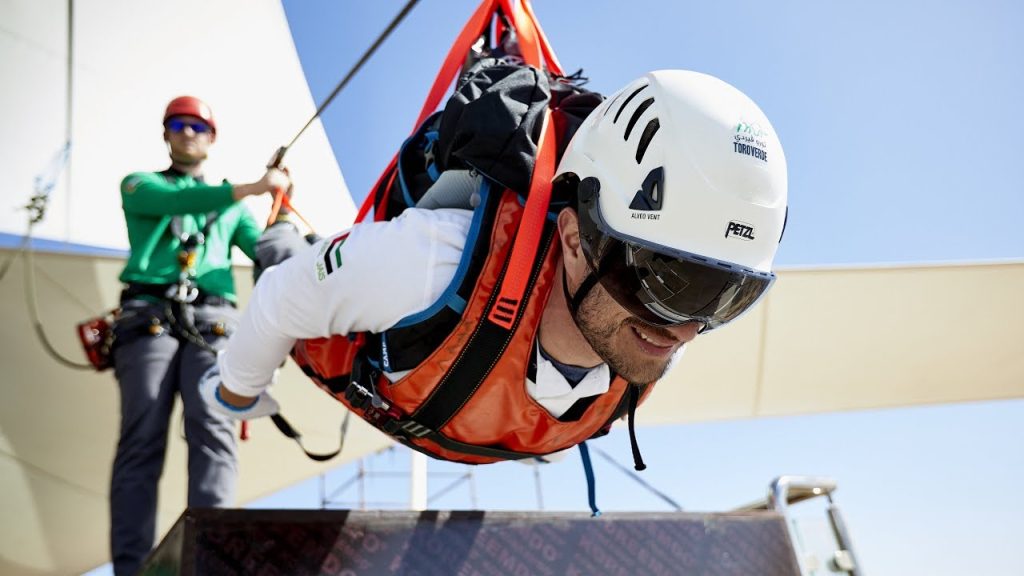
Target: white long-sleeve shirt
[{"x": 366, "y": 280}]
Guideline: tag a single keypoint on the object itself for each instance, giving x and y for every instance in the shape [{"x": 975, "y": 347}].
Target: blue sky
[{"x": 899, "y": 122}]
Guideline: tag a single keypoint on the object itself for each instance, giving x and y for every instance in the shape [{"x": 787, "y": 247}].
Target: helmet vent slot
[
  {"x": 611, "y": 104},
  {"x": 626, "y": 103},
  {"x": 645, "y": 139},
  {"x": 636, "y": 116}
]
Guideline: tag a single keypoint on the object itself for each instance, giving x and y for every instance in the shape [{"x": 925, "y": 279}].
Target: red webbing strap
[
  {"x": 524, "y": 251},
  {"x": 499, "y": 30},
  {"x": 474, "y": 27},
  {"x": 276, "y": 206},
  {"x": 532, "y": 43},
  {"x": 368, "y": 201},
  {"x": 287, "y": 203},
  {"x": 549, "y": 55},
  {"x": 526, "y": 32}
]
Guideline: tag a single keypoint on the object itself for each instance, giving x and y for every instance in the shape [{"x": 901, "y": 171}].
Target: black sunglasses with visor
[{"x": 662, "y": 286}]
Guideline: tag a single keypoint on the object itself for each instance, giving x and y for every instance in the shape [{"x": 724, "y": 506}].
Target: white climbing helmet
[{"x": 682, "y": 197}]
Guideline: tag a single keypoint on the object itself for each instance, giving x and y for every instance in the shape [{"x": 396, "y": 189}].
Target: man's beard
[
  {"x": 600, "y": 332},
  {"x": 187, "y": 159}
]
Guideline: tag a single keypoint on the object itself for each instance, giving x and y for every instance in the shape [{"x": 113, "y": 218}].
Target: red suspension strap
[
  {"x": 533, "y": 46},
  {"x": 532, "y": 43},
  {"x": 549, "y": 55},
  {"x": 537, "y": 52},
  {"x": 526, "y": 33},
  {"x": 531, "y": 227},
  {"x": 476, "y": 25}
]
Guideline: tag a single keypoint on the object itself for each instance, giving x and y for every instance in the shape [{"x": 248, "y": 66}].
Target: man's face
[
  {"x": 635, "y": 350},
  {"x": 188, "y": 137}
]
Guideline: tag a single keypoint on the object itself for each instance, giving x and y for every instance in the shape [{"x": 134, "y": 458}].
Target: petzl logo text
[{"x": 739, "y": 230}]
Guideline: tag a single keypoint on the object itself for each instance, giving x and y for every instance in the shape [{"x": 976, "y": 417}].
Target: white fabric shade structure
[
  {"x": 835, "y": 339},
  {"x": 824, "y": 340},
  {"x": 58, "y": 427},
  {"x": 129, "y": 58},
  {"x": 128, "y": 62}
]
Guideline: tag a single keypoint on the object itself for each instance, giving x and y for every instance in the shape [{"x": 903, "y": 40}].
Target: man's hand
[
  {"x": 235, "y": 406},
  {"x": 276, "y": 178},
  {"x": 273, "y": 179}
]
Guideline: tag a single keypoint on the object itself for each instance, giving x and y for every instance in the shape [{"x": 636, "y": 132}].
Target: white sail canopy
[
  {"x": 824, "y": 340},
  {"x": 835, "y": 339},
  {"x": 129, "y": 59}
]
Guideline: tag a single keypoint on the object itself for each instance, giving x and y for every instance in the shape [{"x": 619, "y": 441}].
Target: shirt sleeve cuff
[{"x": 230, "y": 380}]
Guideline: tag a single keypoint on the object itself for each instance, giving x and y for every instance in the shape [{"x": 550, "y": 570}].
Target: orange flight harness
[{"x": 464, "y": 398}]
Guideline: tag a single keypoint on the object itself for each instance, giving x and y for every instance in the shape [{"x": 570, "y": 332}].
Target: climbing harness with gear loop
[
  {"x": 181, "y": 297},
  {"x": 186, "y": 291}
]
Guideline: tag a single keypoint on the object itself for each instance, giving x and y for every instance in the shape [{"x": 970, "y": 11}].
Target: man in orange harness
[{"x": 677, "y": 188}]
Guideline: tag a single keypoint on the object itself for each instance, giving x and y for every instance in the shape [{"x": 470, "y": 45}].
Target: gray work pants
[{"x": 150, "y": 370}]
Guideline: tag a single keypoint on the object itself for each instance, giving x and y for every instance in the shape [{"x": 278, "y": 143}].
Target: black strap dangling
[
  {"x": 574, "y": 301},
  {"x": 634, "y": 399}
]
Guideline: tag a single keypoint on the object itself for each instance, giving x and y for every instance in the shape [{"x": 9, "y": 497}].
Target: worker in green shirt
[{"x": 177, "y": 308}]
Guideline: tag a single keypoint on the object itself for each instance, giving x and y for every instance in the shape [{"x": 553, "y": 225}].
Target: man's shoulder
[
  {"x": 132, "y": 181},
  {"x": 407, "y": 245},
  {"x": 415, "y": 220},
  {"x": 413, "y": 230}
]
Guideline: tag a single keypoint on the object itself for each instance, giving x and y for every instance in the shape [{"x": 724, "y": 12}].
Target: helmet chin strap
[{"x": 574, "y": 301}]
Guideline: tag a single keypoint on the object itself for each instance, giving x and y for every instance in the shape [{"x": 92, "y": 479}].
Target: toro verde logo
[
  {"x": 751, "y": 140},
  {"x": 754, "y": 130}
]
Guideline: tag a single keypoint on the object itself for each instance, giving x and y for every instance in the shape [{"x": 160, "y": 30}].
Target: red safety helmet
[{"x": 190, "y": 106}]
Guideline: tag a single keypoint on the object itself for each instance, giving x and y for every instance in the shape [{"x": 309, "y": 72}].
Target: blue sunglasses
[{"x": 177, "y": 125}]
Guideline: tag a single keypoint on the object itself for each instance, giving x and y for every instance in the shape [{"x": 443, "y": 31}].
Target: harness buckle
[
  {"x": 184, "y": 292},
  {"x": 361, "y": 393},
  {"x": 358, "y": 396}
]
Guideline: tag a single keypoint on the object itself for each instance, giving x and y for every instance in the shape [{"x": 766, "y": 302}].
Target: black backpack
[
  {"x": 490, "y": 126},
  {"x": 489, "y": 129}
]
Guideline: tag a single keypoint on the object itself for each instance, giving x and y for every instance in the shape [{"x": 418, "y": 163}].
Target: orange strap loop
[{"x": 281, "y": 200}]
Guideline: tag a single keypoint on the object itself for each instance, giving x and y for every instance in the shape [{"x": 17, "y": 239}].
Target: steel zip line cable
[
  {"x": 69, "y": 109},
  {"x": 344, "y": 81},
  {"x": 280, "y": 198}
]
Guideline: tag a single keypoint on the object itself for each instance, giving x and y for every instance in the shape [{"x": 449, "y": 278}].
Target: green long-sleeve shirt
[{"x": 150, "y": 200}]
